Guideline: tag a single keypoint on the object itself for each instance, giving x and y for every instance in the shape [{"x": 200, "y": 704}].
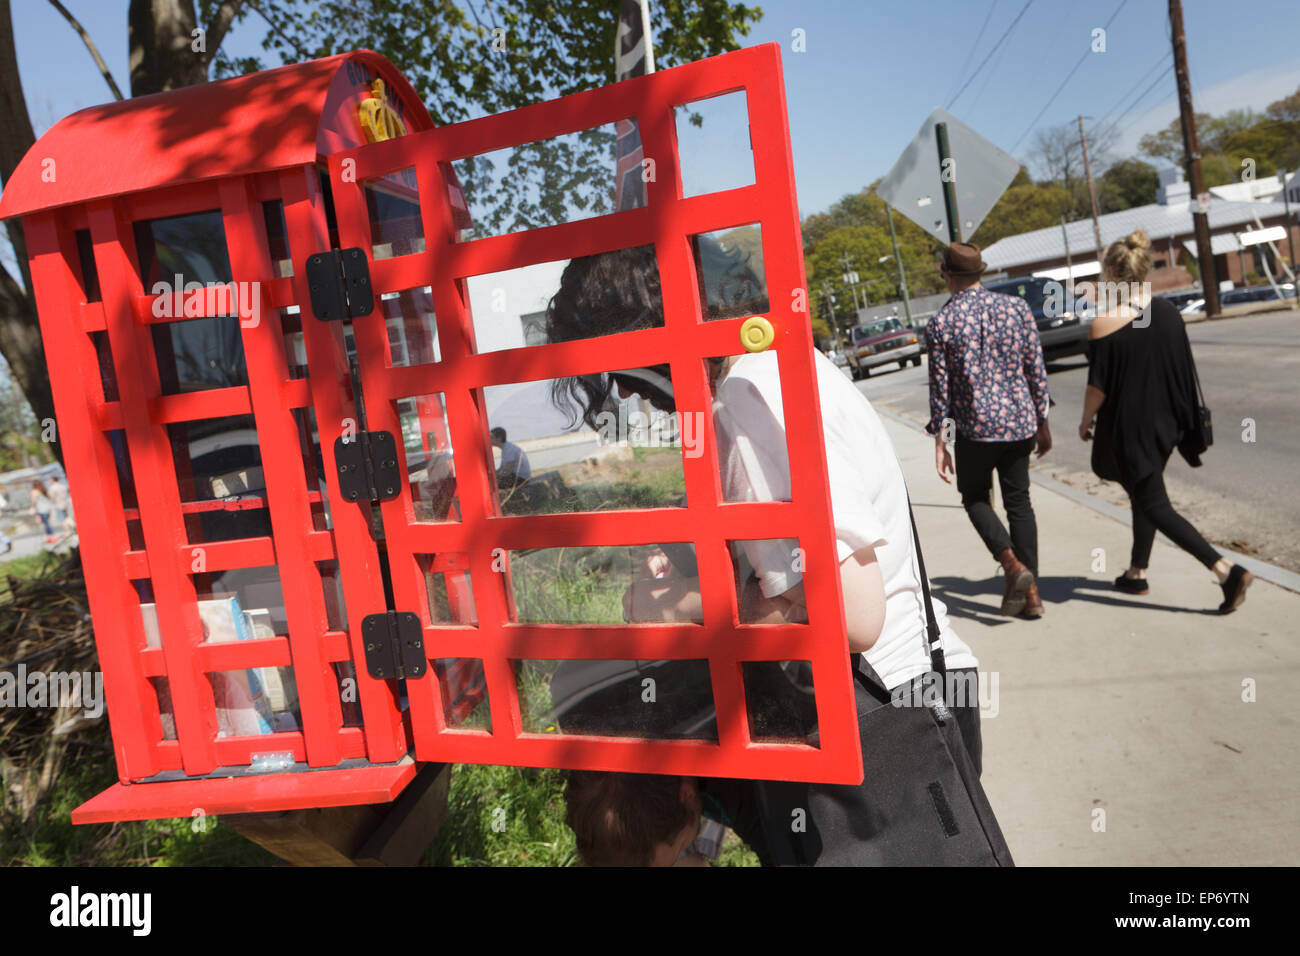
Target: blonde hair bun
[{"x": 1138, "y": 240}]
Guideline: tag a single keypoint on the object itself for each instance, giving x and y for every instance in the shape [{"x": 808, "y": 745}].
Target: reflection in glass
[
  {"x": 199, "y": 354},
  {"x": 730, "y": 266},
  {"x": 218, "y": 459},
  {"x": 586, "y": 584},
  {"x": 668, "y": 700},
  {"x": 780, "y": 702},
  {"x": 393, "y": 203}
]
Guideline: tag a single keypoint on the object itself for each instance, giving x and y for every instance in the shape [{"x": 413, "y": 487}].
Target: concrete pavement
[{"x": 1133, "y": 706}]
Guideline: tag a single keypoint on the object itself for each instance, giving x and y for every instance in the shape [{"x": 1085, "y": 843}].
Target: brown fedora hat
[{"x": 963, "y": 259}]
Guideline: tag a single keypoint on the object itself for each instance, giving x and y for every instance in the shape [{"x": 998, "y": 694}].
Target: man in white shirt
[{"x": 514, "y": 468}]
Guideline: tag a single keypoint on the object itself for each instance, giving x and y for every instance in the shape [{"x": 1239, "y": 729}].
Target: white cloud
[{"x": 1255, "y": 90}]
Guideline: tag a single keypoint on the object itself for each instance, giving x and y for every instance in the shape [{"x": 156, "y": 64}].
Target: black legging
[{"x": 1152, "y": 512}]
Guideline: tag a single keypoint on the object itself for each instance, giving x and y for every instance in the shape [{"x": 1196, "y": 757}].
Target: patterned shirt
[{"x": 986, "y": 367}]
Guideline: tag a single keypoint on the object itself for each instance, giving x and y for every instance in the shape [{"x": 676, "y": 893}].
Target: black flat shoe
[
  {"x": 1132, "y": 585},
  {"x": 1234, "y": 589}
]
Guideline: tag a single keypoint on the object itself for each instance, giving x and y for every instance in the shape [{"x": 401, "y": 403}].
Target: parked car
[
  {"x": 1258, "y": 293},
  {"x": 1062, "y": 333},
  {"x": 880, "y": 342}
]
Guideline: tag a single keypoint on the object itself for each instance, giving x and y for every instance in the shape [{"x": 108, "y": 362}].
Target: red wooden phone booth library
[{"x": 303, "y": 575}]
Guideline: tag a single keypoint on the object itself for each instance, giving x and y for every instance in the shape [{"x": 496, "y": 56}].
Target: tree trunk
[
  {"x": 163, "y": 35},
  {"x": 20, "y": 334}
]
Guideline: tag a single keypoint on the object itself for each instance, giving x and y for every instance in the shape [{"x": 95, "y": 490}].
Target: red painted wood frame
[
  {"x": 667, "y": 222},
  {"x": 86, "y": 418}
]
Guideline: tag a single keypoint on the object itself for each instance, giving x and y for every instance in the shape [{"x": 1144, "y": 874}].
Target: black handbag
[
  {"x": 920, "y": 802},
  {"x": 1198, "y": 439}
]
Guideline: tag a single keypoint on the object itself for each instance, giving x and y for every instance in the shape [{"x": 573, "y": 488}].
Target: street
[{"x": 1249, "y": 369}]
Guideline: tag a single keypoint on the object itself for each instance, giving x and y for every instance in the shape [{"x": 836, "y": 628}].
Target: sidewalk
[{"x": 1130, "y": 705}]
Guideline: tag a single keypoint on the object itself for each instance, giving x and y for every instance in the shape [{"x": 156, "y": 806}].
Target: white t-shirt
[{"x": 868, "y": 501}]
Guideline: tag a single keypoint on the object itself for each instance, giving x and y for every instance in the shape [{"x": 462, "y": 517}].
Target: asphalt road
[{"x": 1244, "y": 496}]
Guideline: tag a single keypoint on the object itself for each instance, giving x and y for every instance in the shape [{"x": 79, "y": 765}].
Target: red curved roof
[{"x": 247, "y": 124}]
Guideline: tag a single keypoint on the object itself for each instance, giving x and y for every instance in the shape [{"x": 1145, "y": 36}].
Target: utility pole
[
  {"x": 830, "y": 302},
  {"x": 1290, "y": 236},
  {"x": 947, "y": 175},
  {"x": 902, "y": 278},
  {"x": 1200, "y": 217},
  {"x": 851, "y": 279},
  {"x": 1069, "y": 266},
  {"x": 1092, "y": 193}
]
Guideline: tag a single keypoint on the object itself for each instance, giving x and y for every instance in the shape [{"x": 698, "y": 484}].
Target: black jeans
[
  {"x": 975, "y": 463},
  {"x": 1152, "y": 512}
]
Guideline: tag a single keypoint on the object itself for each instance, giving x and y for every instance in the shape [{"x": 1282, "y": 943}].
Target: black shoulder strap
[{"x": 931, "y": 624}]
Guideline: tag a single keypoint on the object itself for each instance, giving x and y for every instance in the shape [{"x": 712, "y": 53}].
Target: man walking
[{"x": 988, "y": 395}]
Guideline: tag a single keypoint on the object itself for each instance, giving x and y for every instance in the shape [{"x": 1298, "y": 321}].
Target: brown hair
[
  {"x": 1127, "y": 259},
  {"x": 619, "y": 818}
]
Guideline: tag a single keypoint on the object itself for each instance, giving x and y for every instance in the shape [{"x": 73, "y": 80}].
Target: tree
[
  {"x": 1167, "y": 144},
  {"x": 1023, "y": 208},
  {"x": 1286, "y": 109},
  {"x": 1058, "y": 153},
  {"x": 449, "y": 51},
  {"x": 1128, "y": 183}
]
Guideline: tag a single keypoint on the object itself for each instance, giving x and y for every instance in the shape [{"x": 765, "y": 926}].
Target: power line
[
  {"x": 1140, "y": 98},
  {"x": 1129, "y": 91},
  {"x": 970, "y": 54},
  {"x": 986, "y": 59},
  {"x": 1086, "y": 54}
]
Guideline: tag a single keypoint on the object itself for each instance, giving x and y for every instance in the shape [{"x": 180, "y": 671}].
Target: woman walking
[
  {"x": 42, "y": 507},
  {"x": 1143, "y": 393}
]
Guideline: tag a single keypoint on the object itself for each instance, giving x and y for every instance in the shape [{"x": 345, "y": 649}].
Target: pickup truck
[{"x": 880, "y": 342}]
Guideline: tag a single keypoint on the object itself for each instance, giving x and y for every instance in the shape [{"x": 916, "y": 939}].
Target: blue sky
[{"x": 872, "y": 70}]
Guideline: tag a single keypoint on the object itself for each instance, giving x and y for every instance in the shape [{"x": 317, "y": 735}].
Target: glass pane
[
  {"x": 548, "y": 459},
  {"x": 548, "y": 180},
  {"x": 713, "y": 144},
  {"x": 107, "y": 375},
  {"x": 255, "y": 700},
  {"x": 448, "y": 588},
  {"x": 652, "y": 699},
  {"x": 566, "y": 299},
  {"x": 199, "y": 354},
  {"x": 241, "y": 604},
  {"x": 729, "y": 265},
  {"x": 295, "y": 346},
  {"x": 765, "y": 569},
  {"x": 749, "y": 426},
  {"x": 393, "y": 203},
  {"x": 430, "y": 467},
  {"x": 218, "y": 460},
  {"x": 780, "y": 702},
  {"x": 277, "y": 236},
  {"x": 412, "y": 329},
  {"x": 586, "y": 585},
  {"x": 191, "y": 246},
  {"x": 336, "y": 610},
  {"x": 163, "y": 691},
  {"x": 345, "y": 673},
  {"x": 464, "y": 693}
]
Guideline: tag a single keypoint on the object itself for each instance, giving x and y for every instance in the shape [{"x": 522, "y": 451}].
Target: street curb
[{"x": 1261, "y": 569}]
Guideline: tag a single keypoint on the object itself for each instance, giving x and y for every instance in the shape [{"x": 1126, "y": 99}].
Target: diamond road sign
[{"x": 979, "y": 172}]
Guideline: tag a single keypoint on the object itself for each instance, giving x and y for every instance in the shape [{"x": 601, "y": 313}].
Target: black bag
[
  {"x": 920, "y": 802},
  {"x": 1197, "y": 440}
]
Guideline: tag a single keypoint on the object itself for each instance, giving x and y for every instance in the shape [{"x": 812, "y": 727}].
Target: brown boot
[
  {"x": 1033, "y": 603},
  {"x": 1019, "y": 579}
]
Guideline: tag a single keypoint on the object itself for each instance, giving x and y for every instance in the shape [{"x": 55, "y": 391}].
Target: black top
[{"x": 1149, "y": 380}]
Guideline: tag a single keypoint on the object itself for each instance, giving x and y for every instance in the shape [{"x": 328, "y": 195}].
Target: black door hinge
[
  {"x": 394, "y": 645},
  {"x": 339, "y": 284},
  {"x": 367, "y": 466}
]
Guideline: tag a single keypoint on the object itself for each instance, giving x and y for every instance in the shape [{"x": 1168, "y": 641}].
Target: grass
[{"x": 21, "y": 568}]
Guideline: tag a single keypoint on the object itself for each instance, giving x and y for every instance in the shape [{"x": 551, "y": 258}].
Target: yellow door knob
[{"x": 756, "y": 333}]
